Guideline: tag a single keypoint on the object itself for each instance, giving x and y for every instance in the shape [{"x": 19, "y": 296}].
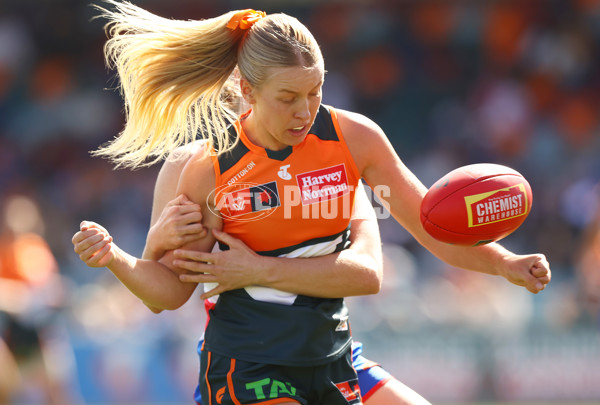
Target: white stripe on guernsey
[{"x": 267, "y": 294}]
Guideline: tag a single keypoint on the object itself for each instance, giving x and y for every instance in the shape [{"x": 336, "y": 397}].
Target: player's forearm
[
  {"x": 151, "y": 281},
  {"x": 487, "y": 259},
  {"x": 152, "y": 250},
  {"x": 357, "y": 270},
  {"x": 343, "y": 274}
]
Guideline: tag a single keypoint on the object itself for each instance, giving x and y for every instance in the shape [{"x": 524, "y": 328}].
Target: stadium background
[{"x": 451, "y": 83}]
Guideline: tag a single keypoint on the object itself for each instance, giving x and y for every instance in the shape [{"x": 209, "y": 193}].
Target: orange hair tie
[{"x": 245, "y": 19}]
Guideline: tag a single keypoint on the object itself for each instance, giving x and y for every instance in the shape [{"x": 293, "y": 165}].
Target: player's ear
[{"x": 247, "y": 91}]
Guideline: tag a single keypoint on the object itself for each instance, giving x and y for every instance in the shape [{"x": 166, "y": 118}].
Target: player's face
[{"x": 284, "y": 107}]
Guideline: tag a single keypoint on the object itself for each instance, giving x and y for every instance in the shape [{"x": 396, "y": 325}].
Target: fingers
[
  {"x": 94, "y": 252},
  {"x": 86, "y": 225},
  {"x": 177, "y": 200},
  {"x": 541, "y": 269},
  {"x": 198, "y": 262},
  {"x": 191, "y": 223},
  {"x": 181, "y": 200},
  {"x": 196, "y": 267},
  {"x": 225, "y": 237},
  {"x": 82, "y": 242},
  {"x": 182, "y": 209},
  {"x": 196, "y": 229},
  {"x": 91, "y": 246},
  {"x": 536, "y": 284},
  {"x": 197, "y": 278},
  {"x": 541, "y": 272},
  {"x": 185, "y": 199},
  {"x": 83, "y": 225},
  {"x": 536, "y": 287},
  {"x": 215, "y": 291},
  {"x": 194, "y": 255},
  {"x": 182, "y": 240},
  {"x": 84, "y": 239},
  {"x": 99, "y": 257},
  {"x": 186, "y": 220},
  {"x": 530, "y": 271}
]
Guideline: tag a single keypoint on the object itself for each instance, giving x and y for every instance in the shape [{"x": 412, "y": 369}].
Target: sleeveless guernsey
[{"x": 295, "y": 202}]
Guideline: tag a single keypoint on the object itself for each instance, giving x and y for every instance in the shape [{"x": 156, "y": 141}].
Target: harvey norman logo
[
  {"x": 498, "y": 205},
  {"x": 323, "y": 184}
]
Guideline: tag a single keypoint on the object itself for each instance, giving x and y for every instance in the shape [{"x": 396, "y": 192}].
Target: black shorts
[{"x": 230, "y": 381}]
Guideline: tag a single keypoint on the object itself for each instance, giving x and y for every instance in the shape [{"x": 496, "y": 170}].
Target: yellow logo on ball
[{"x": 497, "y": 205}]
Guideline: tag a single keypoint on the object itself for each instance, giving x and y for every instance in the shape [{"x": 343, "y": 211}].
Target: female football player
[{"x": 280, "y": 178}]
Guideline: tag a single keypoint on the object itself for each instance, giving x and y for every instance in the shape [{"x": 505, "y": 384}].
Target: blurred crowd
[{"x": 452, "y": 83}]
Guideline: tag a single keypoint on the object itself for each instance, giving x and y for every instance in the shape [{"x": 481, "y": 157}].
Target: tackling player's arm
[{"x": 354, "y": 271}]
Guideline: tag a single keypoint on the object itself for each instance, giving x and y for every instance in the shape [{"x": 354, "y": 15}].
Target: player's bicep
[
  {"x": 197, "y": 181},
  {"x": 165, "y": 188}
]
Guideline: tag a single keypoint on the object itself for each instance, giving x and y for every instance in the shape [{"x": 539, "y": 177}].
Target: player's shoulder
[
  {"x": 355, "y": 123},
  {"x": 365, "y": 139},
  {"x": 198, "y": 175},
  {"x": 173, "y": 166},
  {"x": 360, "y": 132},
  {"x": 181, "y": 155},
  {"x": 178, "y": 159}
]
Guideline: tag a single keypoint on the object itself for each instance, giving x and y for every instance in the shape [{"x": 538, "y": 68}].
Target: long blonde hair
[{"x": 176, "y": 76}]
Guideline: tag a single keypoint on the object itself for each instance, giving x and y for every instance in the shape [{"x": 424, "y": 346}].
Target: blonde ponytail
[{"x": 172, "y": 74}]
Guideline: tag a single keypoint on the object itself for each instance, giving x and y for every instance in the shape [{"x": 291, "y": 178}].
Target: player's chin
[{"x": 292, "y": 140}]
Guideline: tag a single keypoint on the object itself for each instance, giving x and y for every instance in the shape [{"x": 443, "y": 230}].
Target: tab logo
[
  {"x": 497, "y": 205},
  {"x": 323, "y": 184}
]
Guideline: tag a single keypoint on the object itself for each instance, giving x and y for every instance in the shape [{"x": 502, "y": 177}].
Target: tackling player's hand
[
  {"x": 179, "y": 223},
  {"x": 234, "y": 268}
]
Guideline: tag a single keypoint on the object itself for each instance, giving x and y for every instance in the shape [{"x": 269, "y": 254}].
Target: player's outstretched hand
[
  {"x": 529, "y": 271},
  {"x": 179, "y": 223},
  {"x": 93, "y": 244}
]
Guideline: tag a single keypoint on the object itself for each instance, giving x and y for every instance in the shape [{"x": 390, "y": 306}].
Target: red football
[{"x": 476, "y": 204}]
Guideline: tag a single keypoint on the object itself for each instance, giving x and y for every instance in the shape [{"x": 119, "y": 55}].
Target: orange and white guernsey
[
  {"x": 283, "y": 202},
  {"x": 295, "y": 202}
]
